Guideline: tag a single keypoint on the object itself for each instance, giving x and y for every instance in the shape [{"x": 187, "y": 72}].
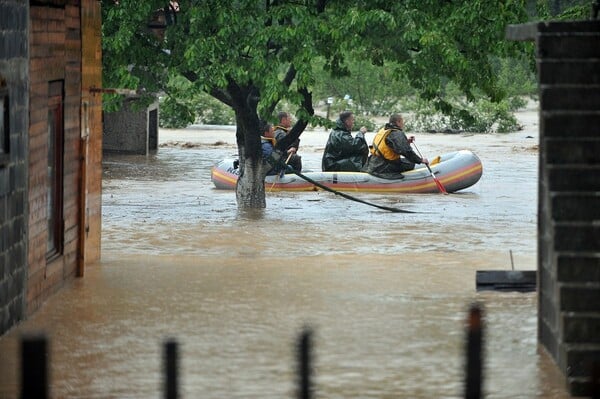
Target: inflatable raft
[{"x": 456, "y": 171}]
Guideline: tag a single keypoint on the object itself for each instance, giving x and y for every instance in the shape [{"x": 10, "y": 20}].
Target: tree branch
[{"x": 287, "y": 81}]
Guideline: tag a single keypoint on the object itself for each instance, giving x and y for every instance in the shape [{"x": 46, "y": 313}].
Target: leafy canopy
[{"x": 259, "y": 53}]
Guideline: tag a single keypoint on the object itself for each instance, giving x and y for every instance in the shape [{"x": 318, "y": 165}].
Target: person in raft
[
  {"x": 281, "y": 130},
  {"x": 267, "y": 143},
  {"x": 391, "y": 153},
  {"x": 343, "y": 152}
]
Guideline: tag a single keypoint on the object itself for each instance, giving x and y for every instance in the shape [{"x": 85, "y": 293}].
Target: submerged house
[{"x": 50, "y": 149}]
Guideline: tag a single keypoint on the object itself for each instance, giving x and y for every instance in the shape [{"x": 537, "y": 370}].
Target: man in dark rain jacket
[
  {"x": 391, "y": 153},
  {"x": 344, "y": 153}
]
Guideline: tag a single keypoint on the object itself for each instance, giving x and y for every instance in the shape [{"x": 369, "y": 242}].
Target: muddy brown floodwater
[{"x": 385, "y": 294}]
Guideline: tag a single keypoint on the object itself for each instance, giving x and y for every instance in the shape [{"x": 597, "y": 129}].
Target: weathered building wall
[
  {"x": 91, "y": 30},
  {"x": 45, "y": 73},
  {"x": 568, "y": 58},
  {"x": 569, "y": 198},
  {"x": 131, "y": 130},
  {"x": 55, "y": 100},
  {"x": 14, "y": 100}
]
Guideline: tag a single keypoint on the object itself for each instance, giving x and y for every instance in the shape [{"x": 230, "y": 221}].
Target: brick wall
[
  {"x": 13, "y": 161},
  {"x": 55, "y": 56},
  {"x": 569, "y": 197}
]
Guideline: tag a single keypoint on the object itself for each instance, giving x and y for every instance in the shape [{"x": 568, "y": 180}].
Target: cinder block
[
  {"x": 570, "y": 124},
  {"x": 580, "y": 358},
  {"x": 579, "y": 297},
  {"x": 569, "y": 98},
  {"x": 4, "y": 181},
  {"x": 576, "y": 207},
  {"x": 578, "y": 268},
  {"x": 573, "y": 178},
  {"x": 571, "y": 151},
  {"x": 569, "y": 71},
  {"x": 580, "y": 386},
  {"x": 569, "y": 28},
  {"x": 581, "y": 328},
  {"x": 577, "y": 238},
  {"x": 578, "y": 45}
]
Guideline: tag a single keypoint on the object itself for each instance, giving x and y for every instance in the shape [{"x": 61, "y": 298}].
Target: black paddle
[{"x": 308, "y": 179}]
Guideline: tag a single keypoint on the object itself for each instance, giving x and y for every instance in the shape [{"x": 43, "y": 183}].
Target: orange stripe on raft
[
  {"x": 427, "y": 185},
  {"x": 225, "y": 178},
  {"x": 460, "y": 174}
]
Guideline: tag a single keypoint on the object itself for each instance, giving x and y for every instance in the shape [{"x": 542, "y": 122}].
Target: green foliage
[
  {"x": 185, "y": 105},
  {"x": 482, "y": 116},
  {"x": 213, "y": 112},
  {"x": 174, "y": 114},
  {"x": 562, "y": 10},
  {"x": 412, "y": 46},
  {"x": 516, "y": 76},
  {"x": 370, "y": 124},
  {"x": 373, "y": 89}
]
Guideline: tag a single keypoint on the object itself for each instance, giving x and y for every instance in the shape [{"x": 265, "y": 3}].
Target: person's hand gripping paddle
[
  {"x": 435, "y": 179},
  {"x": 280, "y": 174}
]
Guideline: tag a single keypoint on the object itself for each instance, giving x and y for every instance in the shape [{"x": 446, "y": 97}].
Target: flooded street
[{"x": 385, "y": 293}]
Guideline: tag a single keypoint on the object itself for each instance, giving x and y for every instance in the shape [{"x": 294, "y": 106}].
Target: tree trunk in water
[{"x": 250, "y": 189}]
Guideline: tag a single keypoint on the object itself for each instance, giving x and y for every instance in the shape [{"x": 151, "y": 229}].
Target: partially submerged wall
[
  {"x": 14, "y": 111},
  {"x": 568, "y": 59}
]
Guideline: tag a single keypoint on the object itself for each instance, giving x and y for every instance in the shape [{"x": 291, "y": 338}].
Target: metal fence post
[
  {"x": 304, "y": 366},
  {"x": 473, "y": 369},
  {"x": 34, "y": 367},
  {"x": 170, "y": 369}
]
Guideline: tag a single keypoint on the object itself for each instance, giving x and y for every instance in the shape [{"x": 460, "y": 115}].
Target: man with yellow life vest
[{"x": 391, "y": 153}]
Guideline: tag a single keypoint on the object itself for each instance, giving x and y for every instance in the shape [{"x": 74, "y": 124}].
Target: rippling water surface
[{"x": 385, "y": 294}]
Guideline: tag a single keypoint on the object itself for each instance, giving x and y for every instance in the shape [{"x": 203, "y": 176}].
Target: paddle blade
[
  {"x": 437, "y": 182},
  {"x": 439, "y": 185}
]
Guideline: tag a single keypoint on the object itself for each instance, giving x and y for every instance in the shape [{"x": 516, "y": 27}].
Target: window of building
[
  {"x": 4, "y": 127},
  {"x": 55, "y": 169}
]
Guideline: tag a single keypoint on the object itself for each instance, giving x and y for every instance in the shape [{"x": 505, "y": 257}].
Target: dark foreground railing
[{"x": 35, "y": 383}]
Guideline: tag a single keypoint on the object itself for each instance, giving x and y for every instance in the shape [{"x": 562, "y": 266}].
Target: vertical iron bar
[
  {"x": 596, "y": 380},
  {"x": 304, "y": 358},
  {"x": 473, "y": 371},
  {"x": 170, "y": 367},
  {"x": 34, "y": 367}
]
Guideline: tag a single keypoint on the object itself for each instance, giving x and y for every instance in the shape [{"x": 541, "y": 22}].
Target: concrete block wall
[
  {"x": 569, "y": 198},
  {"x": 131, "y": 130},
  {"x": 14, "y": 92}
]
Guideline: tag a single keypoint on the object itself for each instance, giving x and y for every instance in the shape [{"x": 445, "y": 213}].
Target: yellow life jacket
[
  {"x": 271, "y": 139},
  {"x": 380, "y": 147}
]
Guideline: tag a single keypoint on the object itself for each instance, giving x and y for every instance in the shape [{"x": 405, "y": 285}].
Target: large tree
[{"x": 251, "y": 55}]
